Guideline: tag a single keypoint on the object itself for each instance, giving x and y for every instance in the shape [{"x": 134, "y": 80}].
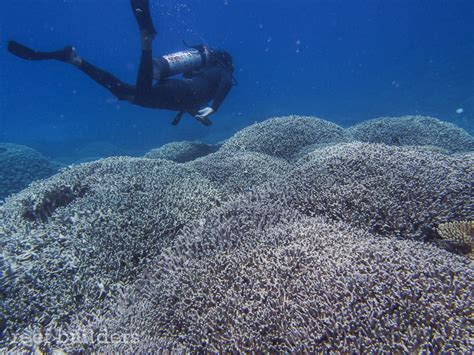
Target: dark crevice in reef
[
  {"x": 3, "y": 150},
  {"x": 52, "y": 200}
]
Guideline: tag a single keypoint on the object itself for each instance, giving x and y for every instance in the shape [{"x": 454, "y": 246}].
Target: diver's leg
[
  {"x": 68, "y": 54},
  {"x": 145, "y": 76},
  {"x": 144, "y": 83},
  {"x": 118, "y": 88}
]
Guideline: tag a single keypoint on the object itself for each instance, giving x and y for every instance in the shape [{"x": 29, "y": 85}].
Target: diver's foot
[
  {"x": 69, "y": 55},
  {"x": 141, "y": 11}
]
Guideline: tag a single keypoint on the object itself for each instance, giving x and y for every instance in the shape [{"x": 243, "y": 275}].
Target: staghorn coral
[
  {"x": 413, "y": 130},
  {"x": 284, "y": 137},
  {"x": 256, "y": 275},
  {"x": 310, "y": 149},
  {"x": 282, "y": 268},
  {"x": 181, "y": 152},
  {"x": 405, "y": 192},
  {"x": 68, "y": 242},
  {"x": 19, "y": 166},
  {"x": 240, "y": 171}
]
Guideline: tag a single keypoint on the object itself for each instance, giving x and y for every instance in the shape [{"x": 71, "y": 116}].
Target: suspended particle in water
[
  {"x": 298, "y": 42},
  {"x": 460, "y": 110}
]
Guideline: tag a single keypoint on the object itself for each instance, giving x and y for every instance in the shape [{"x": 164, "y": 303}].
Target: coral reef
[
  {"x": 413, "y": 130},
  {"x": 310, "y": 149},
  {"x": 460, "y": 234},
  {"x": 181, "y": 152},
  {"x": 19, "y": 166},
  {"x": 256, "y": 275},
  {"x": 405, "y": 192},
  {"x": 284, "y": 137},
  {"x": 240, "y": 171},
  {"x": 67, "y": 242},
  {"x": 326, "y": 250}
]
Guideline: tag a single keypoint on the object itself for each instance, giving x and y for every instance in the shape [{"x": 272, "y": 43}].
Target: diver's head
[{"x": 223, "y": 58}]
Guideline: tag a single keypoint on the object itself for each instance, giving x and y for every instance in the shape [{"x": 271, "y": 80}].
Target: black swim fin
[
  {"x": 29, "y": 54},
  {"x": 141, "y": 10},
  {"x": 205, "y": 121},
  {"x": 177, "y": 118}
]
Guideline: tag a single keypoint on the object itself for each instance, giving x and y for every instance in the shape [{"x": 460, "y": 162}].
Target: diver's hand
[{"x": 204, "y": 113}]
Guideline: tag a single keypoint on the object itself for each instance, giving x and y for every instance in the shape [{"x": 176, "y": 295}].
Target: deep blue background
[{"x": 345, "y": 61}]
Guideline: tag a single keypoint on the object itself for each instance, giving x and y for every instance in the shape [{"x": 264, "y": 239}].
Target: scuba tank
[{"x": 180, "y": 62}]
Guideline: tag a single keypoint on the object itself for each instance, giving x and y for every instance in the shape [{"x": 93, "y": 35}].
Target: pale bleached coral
[
  {"x": 413, "y": 130},
  {"x": 241, "y": 171},
  {"x": 19, "y": 166},
  {"x": 68, "y": 242},
  {"x": 398, "y": 191},
  {"x": 256, "y": 275},
  {"x": 324, "y": 258},
  {"x": 182, "y": 152},
  {"x": 284, "y": 137}
]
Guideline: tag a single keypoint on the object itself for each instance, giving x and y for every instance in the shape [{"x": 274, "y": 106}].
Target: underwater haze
[{"x": 344, "y": 61}]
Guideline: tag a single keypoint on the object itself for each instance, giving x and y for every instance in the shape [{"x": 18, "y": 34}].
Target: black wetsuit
[{"x": 212, "y": 83}]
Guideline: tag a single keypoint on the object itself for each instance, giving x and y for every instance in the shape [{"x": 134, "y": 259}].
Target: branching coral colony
[
  {"x": 323, "y": 254},
  {"x": 459, "y": 234}
]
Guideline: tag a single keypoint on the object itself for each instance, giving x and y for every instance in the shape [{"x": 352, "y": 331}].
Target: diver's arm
[{"x": 222, "y": 90}]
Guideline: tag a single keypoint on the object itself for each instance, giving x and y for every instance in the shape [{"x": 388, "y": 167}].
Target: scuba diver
[{"x": 207, "y": 74}]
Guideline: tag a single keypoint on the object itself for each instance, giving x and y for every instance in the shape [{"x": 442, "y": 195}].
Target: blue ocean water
[{"x": 344, "y": 61}]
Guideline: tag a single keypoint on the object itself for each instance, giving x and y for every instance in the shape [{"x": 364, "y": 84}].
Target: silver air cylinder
[{"x": 179, "y": 62}]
